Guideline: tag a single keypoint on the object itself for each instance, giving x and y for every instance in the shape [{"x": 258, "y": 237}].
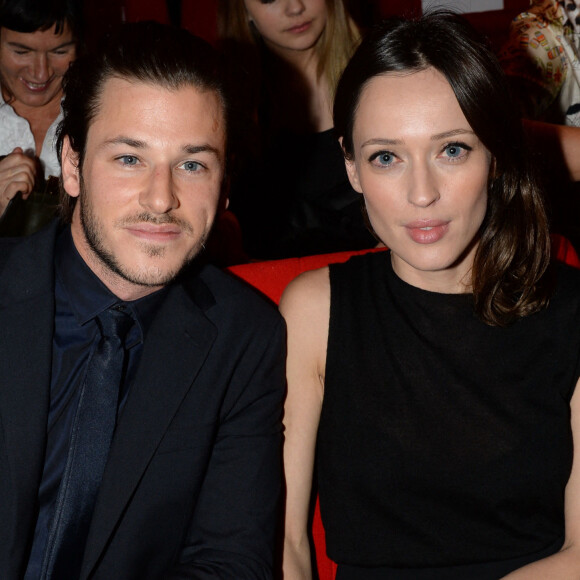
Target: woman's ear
[
  {"x": 351, "y": 169},
  {"x": 70, "y": 169},
  {"x": 248, "y": 15}
]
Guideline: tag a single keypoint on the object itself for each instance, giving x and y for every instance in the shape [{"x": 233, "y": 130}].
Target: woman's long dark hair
[{"x": 509, "y": 276}]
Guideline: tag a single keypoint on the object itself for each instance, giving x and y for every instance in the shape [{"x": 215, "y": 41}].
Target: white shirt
[{"x": 15, "y": 132}]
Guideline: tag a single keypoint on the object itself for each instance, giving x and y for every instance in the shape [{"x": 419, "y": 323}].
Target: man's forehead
[
  {"x": 129, "y": 107},
  {"x": 116, "y": 84}
]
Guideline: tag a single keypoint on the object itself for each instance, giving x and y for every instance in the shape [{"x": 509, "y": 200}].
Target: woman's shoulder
[
  {"x": 305, "y": 306},
  {"x": 307, "y": 292}
]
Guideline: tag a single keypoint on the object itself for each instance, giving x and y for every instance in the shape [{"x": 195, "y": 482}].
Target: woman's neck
[
  {"x": 300, "y": 60},
  {"x": 455, "y": 279},
  {"x": 302, "y": 96}
]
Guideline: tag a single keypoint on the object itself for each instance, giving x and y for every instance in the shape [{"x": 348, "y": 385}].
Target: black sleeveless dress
[{"x": 444, "y": 444}]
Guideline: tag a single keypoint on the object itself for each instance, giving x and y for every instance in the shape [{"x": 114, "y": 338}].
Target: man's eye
[
  {"x": 128, "y": 160},
  {"x": 191, "y": 166}
]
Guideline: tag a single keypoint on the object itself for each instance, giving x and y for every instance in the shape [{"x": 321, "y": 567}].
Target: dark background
[{"x": 199, "y": 16}]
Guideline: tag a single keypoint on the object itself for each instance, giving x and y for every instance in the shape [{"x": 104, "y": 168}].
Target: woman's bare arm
[{"x": 306, "y": 306}]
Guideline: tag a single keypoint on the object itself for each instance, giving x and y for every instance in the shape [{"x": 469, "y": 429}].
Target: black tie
[{"x": 91, "y": 436}]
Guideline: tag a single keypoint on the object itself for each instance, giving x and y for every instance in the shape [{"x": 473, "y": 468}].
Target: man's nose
[{"x": 158, "y": 196}]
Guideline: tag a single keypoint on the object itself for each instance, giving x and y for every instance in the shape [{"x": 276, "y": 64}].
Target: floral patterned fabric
[{"x": 542, "y": 58}]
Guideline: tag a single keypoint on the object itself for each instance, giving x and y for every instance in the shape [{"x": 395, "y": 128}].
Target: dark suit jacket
[{"x": 194, "y": 471}]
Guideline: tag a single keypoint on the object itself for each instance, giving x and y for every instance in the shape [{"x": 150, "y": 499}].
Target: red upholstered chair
[
  {"x": 564, "y": 251},
  {"x": 273, "y": 276}
]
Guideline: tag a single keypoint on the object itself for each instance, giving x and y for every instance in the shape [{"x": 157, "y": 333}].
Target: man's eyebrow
[
  {"x": 193, "y": 149},
  {"x": 138, "y": 144},
  {"x": 135, "y": 143},
  {"x": 26, "y": 47}
]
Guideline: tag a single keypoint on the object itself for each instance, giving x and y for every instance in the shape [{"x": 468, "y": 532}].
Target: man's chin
[{"x": 151, "y": 275}]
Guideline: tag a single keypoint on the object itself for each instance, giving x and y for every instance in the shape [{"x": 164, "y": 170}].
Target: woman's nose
[
  {"x": 295, "y": 7},
  {"x": 423, "y": 188}
]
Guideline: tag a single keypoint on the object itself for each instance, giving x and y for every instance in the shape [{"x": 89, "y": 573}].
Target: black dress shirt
[{"x": 80, "y": 296}]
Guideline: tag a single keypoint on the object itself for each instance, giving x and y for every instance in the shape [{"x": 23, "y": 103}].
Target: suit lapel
[
  {"x": 26, "y": 323},
  {"x": 175, "y": 349}
]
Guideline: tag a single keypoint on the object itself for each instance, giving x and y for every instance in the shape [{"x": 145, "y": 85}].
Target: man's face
[
  {"x": 149, "y": 184},
  {"x": 32, "y": 65}
]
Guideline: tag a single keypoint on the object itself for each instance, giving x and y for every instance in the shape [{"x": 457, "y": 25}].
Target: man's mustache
[{"x": 166, "y": 218}]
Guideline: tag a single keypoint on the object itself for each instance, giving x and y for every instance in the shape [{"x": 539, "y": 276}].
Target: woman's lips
[
  {"x": 427, "y": 231},
  {"x": 36, "y": 87},
  {"x": 300, "y": 28}
]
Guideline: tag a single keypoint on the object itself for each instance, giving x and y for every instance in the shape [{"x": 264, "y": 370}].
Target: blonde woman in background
[{"x": 294, "y": 199}]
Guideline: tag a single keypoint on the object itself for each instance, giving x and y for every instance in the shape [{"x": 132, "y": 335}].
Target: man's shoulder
[
  {"x": 244, "y": 320},
  {"x": 27, "y": 266},
  {"x": 232, "y": 294},
  {"x": 35, "y": 245}
]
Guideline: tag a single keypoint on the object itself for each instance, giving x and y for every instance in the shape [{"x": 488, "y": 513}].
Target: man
[
  {"x": 38, "y": 41},
  {"x": 190, "y": 482}
]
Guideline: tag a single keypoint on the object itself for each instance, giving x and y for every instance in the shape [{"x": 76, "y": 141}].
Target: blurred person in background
[
  {"x": 293, "y": 196},
  {"x": 541, "y": 61},
  {"x": 38, "y": 42}
]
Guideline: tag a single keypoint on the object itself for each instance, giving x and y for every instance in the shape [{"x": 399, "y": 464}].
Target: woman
[
  {"x": 38, "y": 41},
  {"x": 296, "y": 198},
  {"x": 436, "y": 381}
]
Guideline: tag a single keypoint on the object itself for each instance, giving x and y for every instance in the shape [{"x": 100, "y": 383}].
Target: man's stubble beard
[{"x": 92, "y": 230}]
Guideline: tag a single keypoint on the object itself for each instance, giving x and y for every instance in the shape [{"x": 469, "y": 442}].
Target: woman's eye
[
  {"x": 382, "y": 158},
  {"x": 456, "y": 150},
  {"x": 191, "y": 166}
]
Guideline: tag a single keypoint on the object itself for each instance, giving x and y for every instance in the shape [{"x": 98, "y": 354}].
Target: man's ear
[
  {"x": 351, "y": 170},
  {"x": 70, "y": 169}
]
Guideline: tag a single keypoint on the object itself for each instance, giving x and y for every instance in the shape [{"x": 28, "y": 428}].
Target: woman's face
[
  {"x": 288, "y": 25},
  {"x": 423, "y": 173},
  {"x": 32, "y": 65}
]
